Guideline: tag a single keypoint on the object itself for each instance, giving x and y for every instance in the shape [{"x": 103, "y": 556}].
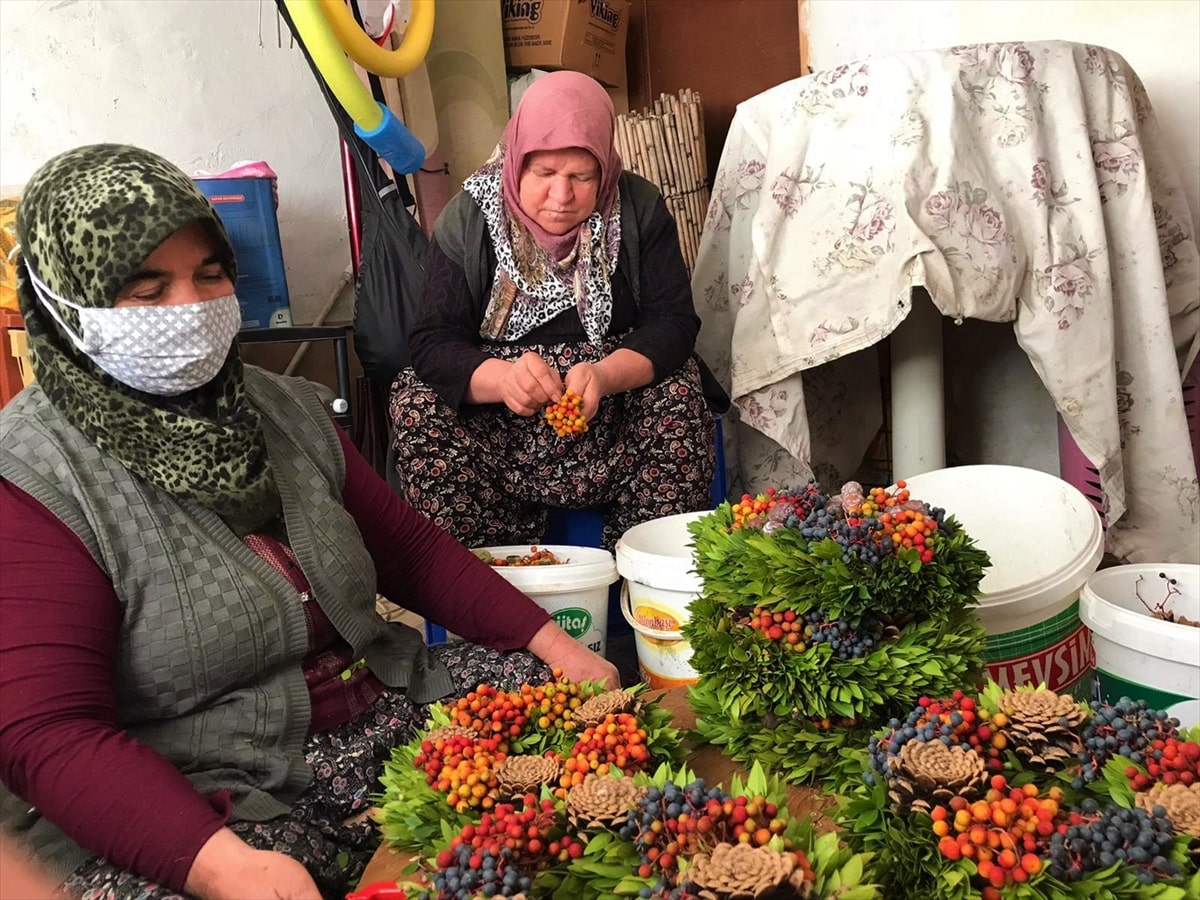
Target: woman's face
[
  {"x": 185, "y": 268},
  {"x": 558, "y": 188}
]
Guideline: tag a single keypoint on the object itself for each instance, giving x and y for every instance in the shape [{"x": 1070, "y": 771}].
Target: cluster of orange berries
[
  {"x": 1003, "y": 833},
  {"x": 618, "y": 741},
  {"x": 566, "y": 415},
  {"x": 786, "y": 627},
  {"x": 751, "y": 508},
  {"x": 489, "y": 711},
  {"x": 462, "y": 768},
  {"x": 902, "y": 527}
]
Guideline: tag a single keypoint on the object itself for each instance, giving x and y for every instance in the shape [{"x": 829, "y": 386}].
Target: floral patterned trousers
[
  {"x": 346, "y": 763},
  {"x": 488, "y": 476}
]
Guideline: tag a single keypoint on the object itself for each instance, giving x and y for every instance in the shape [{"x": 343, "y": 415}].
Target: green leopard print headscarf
[{"x": 86, "y": 221}]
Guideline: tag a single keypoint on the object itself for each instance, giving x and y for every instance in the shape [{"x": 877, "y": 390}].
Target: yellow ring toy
[
  {"x": 364, "y": 51},
  {"x": 327, "y": 54},
  {"x": 373, "y": 122}
]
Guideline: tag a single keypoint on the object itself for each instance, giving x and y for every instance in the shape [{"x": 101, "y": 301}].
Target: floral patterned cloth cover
[{"x": 1022, "y": 183}]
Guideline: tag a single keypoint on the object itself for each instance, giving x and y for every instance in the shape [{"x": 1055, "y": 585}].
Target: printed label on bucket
[
  {"x": 574, "y": 620},
  {"x": 655, "y": 619},
  {"x": 1057, "y": 652}
]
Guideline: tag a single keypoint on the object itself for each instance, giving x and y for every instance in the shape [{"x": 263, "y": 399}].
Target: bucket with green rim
[{"x": 1045, "y": 539}]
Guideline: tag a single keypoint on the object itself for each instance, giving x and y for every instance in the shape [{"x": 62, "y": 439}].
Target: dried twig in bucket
[{"x": 1160, "y": 610}]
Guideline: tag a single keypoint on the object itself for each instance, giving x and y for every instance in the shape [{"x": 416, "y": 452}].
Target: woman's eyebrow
[{"x": 151, "y": 274}]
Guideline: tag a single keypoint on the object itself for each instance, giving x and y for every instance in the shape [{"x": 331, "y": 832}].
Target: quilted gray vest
[{"x": 208, "y": 669}]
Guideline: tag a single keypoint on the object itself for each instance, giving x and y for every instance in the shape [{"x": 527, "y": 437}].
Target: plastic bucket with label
[
  {"x": 574, "y": 592},
  {"x": 655, "y": 559},
  {"x": 1045, "y": 539},
  {"x": 1137, "y": 654}
]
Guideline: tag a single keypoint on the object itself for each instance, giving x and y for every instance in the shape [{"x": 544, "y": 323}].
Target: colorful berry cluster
[
  {"x": 957, "y": 720},
  {"x": 904, "y": 526},
  {"x": 618, "y": 741},
  {"x": 498, "y": 856},
  {"x": 566, "y": 416},
  {"x": 489, "y": 711},
  {"x": 680, "y": 820},
  {"x": 1003, "y": 833},
  {"x": 462, "y": 768},
  {"x": 1126, "y": 728},
  {"x": 1011, "y": 833},
  {"x": 532, "y": 719},
  {"x": 779, "y": 626},
  {"x": 1168, "y": 761},
  {"x": 868, "y": 527}
]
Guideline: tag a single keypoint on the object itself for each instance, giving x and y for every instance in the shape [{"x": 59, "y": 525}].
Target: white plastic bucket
[
  {"x": 1138, "y": 655},
  {"x": 574, "y": 592},
  {"x": 1045, "y": 539},
  {"x": 655, "y": 559}
]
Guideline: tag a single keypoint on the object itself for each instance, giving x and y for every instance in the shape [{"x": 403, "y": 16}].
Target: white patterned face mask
[{"x": 161, "y": 350}]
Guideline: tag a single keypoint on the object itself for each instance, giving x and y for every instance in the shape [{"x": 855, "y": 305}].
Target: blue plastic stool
[{"x": 583, "y": 527}]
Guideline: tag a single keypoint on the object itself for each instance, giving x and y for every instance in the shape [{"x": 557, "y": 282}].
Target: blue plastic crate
[{"x": 247, "y": 208}]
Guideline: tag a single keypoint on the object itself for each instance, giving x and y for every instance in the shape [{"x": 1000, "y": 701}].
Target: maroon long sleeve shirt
[{"x": 61, "y": 748}]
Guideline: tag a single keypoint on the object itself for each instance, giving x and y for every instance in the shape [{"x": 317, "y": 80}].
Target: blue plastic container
[{"x": 247, "y": 207}]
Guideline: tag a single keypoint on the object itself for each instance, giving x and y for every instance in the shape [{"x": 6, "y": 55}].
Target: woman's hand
[
  {"x": 227, "y": 868},
  {"x": 586, "y": 380},
  {"x": 620, "y": 371},
  {"x": 559, "y": 650},
  {"x": 529, "y": 385}
]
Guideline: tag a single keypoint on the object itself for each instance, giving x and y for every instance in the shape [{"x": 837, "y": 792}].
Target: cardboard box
[
  {"x": 582, "y": 35},
  {"x": 518, "y": 83},
  {"x": 247, "y": 207}
]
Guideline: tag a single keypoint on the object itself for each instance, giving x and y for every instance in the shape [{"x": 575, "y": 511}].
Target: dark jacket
[{"x": 653, "y": 312}]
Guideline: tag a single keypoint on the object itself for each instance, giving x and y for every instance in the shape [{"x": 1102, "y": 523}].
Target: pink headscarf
[{"x": 559, "y": 111}]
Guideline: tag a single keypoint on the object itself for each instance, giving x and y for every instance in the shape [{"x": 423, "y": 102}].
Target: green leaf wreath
[
  {"x": 905, "y": 816},
  {"x": 803, "y": 557},
  {"x": 615, "y": 861},
  {"x": 412, "y": 812}
]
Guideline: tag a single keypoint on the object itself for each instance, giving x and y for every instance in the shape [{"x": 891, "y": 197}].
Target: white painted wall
[
  {"x": 204, "y": 83},
  {"x": 997, "y": 410}
]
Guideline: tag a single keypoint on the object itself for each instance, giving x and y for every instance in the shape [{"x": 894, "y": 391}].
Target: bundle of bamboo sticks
[{"x": 665, "y": 144}]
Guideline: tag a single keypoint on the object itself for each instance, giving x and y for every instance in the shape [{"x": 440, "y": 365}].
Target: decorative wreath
[
  {"x": 822, "y": 616},
  {"x": 1029, "y": 795},
  {"x": 564, "y": 790}
]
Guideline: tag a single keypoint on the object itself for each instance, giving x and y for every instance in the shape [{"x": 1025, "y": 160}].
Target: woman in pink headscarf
[{"x": 554, "y": 270}]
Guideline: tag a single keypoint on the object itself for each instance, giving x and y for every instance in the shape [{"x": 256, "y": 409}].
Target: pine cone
[
  {"x": 522, "y": 774},
  {"x": 1181, "y": 801},
  {"x": 741, "y": 871},
  {"x": 601, "y": 801},
  {"x": 448, "y": 731},
  {"x": 1041, "y": 727},
  {"x": 593, "y": 710},
  {"x": 928, "y": 773}
]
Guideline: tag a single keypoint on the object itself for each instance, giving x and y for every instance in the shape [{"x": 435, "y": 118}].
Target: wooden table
[{"x": 705, "y": 761}]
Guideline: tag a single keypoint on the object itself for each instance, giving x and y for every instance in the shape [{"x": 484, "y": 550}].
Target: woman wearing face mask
[
  {"x": 198, "y": 693},
  {"x": 554, "y": 271}
]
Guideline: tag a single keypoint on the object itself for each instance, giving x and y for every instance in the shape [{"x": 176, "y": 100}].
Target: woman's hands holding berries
[
  {"x": 529, "y": 385},
  {"x": 586, "y": 380}
]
